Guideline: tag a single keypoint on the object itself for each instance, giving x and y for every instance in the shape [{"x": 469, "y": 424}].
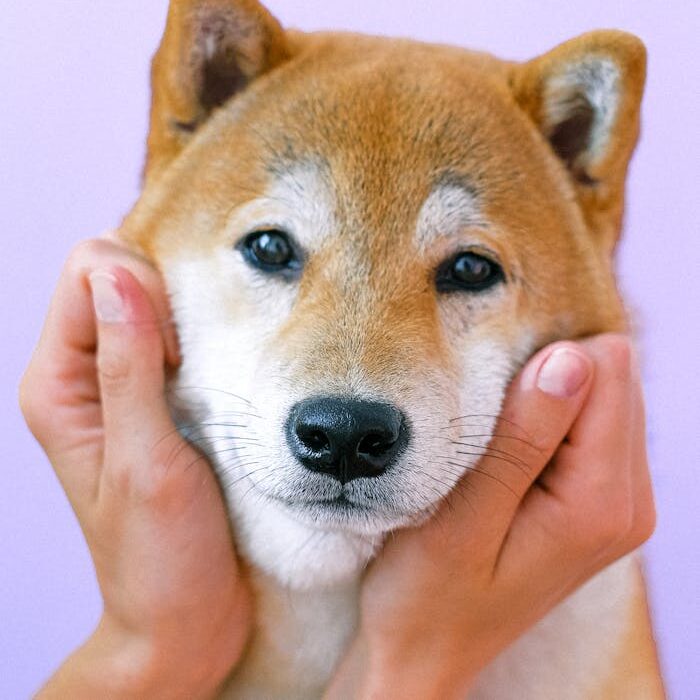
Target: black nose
[{"x": 345, "y": 438}]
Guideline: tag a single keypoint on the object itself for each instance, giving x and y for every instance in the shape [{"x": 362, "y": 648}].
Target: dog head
[{"x": 365, "y": 238}]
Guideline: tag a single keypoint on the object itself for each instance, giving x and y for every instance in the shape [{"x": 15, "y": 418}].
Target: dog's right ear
[{"x": 210, "y": 51}]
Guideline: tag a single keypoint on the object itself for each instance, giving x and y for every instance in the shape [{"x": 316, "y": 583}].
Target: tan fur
[
  {"x": 383, "y": 121},
  {"x": 602, "y": 206},
  {"x": 258, "y": 45},
  {"x": 635, "y": 672}
]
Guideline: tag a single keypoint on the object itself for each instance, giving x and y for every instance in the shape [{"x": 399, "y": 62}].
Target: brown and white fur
[{"x": 381, "y": 159}]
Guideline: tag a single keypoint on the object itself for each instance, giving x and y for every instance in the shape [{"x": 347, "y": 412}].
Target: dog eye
[
  {"x": 271, "y": 251},
  {"x": 468, "y": 272}
]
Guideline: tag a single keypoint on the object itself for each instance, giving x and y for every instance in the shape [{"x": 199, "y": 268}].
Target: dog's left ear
[
  {"x": 585, "y": 97},
  {"x": 211, "y": 50}
]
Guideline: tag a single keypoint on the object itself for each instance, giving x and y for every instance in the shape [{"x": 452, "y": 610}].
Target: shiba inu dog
[{"x": 363, "y": 240}]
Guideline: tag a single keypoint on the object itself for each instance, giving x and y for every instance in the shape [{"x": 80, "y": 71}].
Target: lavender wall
[{"x": 73, "y": 88}]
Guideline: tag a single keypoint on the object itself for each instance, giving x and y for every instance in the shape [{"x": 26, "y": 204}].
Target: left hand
[{"x": 176, "y": 609}]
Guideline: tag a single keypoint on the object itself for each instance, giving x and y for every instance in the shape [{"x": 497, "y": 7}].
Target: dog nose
[{"x": 344, "y": 438}]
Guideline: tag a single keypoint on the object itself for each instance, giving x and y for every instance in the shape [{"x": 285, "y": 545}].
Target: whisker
[
  {"x": 490, "y": 476},
  {"x": 501, "y": 436},
  {"x": 494, "y": 452},
  {"x": 487, "y": 452},
  {"x": 256, "y": 485},
  {"x": 489, "y": 415},
  {"x": 175, "y": 389}
]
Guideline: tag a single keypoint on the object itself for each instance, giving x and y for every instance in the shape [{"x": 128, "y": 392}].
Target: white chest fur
[
  {"x": 300, "y": 636},
  {"x": 298, "y": 639}
]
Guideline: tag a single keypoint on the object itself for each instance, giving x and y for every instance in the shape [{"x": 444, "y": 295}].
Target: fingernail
[
  {"x": 564, "y": 372},
  {"x": 108, "y": 302}
]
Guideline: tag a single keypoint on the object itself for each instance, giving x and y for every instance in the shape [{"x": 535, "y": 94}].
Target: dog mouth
[
  {"x": 343, "y": 513},
  {"x": 341, "y": 501},
  {"x": 341, "y": 504}
]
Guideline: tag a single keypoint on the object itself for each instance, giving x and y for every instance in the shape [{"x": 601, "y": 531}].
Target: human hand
[
  {"x": 572, "y": 496},
  {"x": 176, "y": 613}
]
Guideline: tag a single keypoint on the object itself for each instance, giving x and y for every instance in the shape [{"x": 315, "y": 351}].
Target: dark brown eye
[
  {"x": 271, "y": 251},
  {"x": 468, "y": 272}
]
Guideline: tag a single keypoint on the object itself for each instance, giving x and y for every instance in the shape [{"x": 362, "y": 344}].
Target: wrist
[
  {"x": 375, "y": 669},
  {"x": 179, "y": 656},
  {"x": 132, "y": 665}
]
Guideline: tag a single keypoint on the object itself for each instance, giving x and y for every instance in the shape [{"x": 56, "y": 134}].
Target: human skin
[
  {"x": 176, "y": 611},
  {"x": 573, "y": 496}
]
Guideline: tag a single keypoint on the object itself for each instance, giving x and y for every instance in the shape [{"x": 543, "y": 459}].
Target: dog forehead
[
  {"x": 382, "y": 121},
  {"x": 392, "y": 122},
  {"x": 384, "y": 143},
  {"x": 307, "y": 191}
]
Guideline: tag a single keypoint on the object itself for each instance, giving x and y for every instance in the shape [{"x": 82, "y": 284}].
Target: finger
[
  {"x": 643, "y": 508},
  {"x": 610, "y": 395},
  {"x": 61, "y": 373},
  {"x": 151, "y": 280},
  {"x": 70, "y": 326},
  {"x": 594, "y": 467},
  {"x": 629, "y": 479},
  {"x": 130, "y": 363},
  {"x": 68, "y": 336},
  {"x": 146, "y": 459},
  {"x": 581, "y": 507},
  {"x": 539, "y": 410}
]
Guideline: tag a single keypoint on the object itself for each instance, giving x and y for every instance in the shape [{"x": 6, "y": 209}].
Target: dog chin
[{"x": 305, "y": 545}]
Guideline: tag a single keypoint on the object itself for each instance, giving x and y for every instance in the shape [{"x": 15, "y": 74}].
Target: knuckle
[
  {"x": 602, "y": 521},
  {"x": 89, "y": 254},
  {"x": 618, "y": 353},
  {"x": 612, "y": 525},
  {"x": 81, "y": 255},
  {"x": 538, "y": 446},
  {"x": 136, "y": 482},
  {"x": 159, "y": 488},
  {"x": 32, "y": 400},
  {"x": 29, "y": 400},
  {"x": 643, "y": 524},
  {"x": 120, "y": 477},
  {"x": 156, "y": 485},
  {"x": 162, "y": 489},
  {"x": 528, "y": 442},
  {"x": 115, "y": 373}
]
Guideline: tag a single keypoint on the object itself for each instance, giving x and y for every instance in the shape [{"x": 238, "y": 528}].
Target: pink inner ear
[
  {"x": 571, "y": 136},
  {"x": 221, "y": 77},
  {"x": 210, "y": 51},
  {"x": 216, "y": 57},
  {"x": 230, "y": 45}
]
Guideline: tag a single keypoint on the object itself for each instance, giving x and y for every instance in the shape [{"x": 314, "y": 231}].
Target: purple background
[{"x": 73, "y": 86}]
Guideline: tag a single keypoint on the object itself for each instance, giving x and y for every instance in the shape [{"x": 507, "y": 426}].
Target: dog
[{"x": 364, "y": 238}]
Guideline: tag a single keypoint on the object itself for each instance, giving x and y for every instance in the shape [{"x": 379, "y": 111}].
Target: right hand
[
  {"x": 176, "y": 611},
  {"x": 517, "y": 535}
]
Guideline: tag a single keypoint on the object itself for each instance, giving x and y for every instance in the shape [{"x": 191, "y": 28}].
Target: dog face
[{"x": 365, "y": 238}]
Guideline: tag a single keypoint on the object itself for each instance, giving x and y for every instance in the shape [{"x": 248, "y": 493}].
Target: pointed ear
[
  {"x": 585, "y": 96},
  {"x": 211, "y": 50}
]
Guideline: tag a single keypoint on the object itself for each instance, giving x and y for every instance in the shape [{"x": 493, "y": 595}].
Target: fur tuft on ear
[
  {"x": 584, "y": 96},
  {"x": 210, "y": 51}
]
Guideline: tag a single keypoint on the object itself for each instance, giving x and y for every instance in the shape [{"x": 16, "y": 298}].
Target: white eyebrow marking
[
  {"x": 299, "y": 199},
  {"x": 448, "y": 209}
]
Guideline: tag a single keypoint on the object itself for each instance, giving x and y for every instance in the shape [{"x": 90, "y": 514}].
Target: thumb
[
  {"x": 540, "y": 407},
  {"x": 130, "y": 364}
]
